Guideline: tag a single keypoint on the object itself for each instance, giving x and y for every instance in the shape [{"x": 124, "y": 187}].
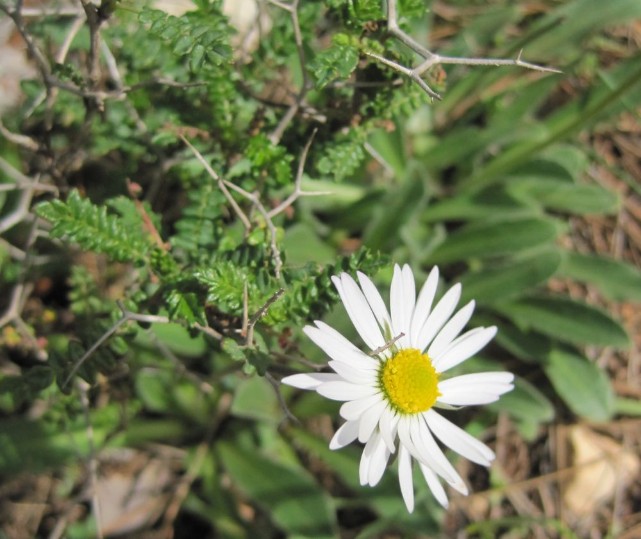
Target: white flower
[{"x": 390, "y": 393}]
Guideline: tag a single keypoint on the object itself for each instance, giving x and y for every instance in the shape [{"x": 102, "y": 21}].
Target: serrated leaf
[
  {"x": 567, "y": 320},
  {"x": 292, "y": 499},
  {"x": 582, "y": 385},
  {"x": 513, "y": 278},
  {"x": 93, "y": 228},
  {"x": 336, "y": 62},
  {"x": 495, "y": 239},
  {"x": 615, "y": 279},
  {"x": 185, "y": 306}
]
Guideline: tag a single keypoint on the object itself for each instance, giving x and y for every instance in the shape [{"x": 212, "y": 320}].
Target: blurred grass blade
[
  {"x": 513, "y": 278},
  {"x": 295, "y": 502},
  {"x": 615, "y": 279},
  {"x": 495, "y": 239},
  {"x": 565, "y": 197},
  {"x": 576, "y": 115},
  {"x": 468, "y": 206},
  {"x": 582, "y": 385},
  {"x": 567, "y": 320},
  {"x": 394, "y": 211}
]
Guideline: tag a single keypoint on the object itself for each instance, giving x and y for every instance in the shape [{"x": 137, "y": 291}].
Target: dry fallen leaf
[{"x": 602, "y": 464}]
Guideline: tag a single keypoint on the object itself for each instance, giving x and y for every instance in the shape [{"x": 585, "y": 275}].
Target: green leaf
[
  {"x": 567, "y": 320},
  {"x": 494, "y": 239},
  {"x": 398, "y": 208},
  {"x": 342, "y": 157},
  {"x": 615, "y": 279},
  {"x": 336, "y": 62},
  {"x": 185, "y": 306},
  {"x": 566, "y": 197},
  {"x": 234, "y": 350},
  {"x": 512, "y": 278},
  {"x": 344, "y": 462},
  {"x": 179, "y": 340},
  {"x": 153, "y": 390},
  {"x": 291, "y": 498},
  {"x": 528, "y": 346},
  {"x": 256, "y": 399},
  {"x": 527, "y": 406},
  {"x": 94, "y": 229},
  {"x": 467, "y": 206},
  {"x": 582, "y": 385}
]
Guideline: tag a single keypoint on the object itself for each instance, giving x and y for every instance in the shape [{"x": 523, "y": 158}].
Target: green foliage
[
  {"x": 93, "y": 228},
  {"x": 337, "y": 62},
  {"x": 342, "y": 158},
  {"x": 188, "y": 36}
]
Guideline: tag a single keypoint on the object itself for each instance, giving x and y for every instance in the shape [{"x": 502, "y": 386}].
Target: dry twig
[{"x": 431, "y": 59}]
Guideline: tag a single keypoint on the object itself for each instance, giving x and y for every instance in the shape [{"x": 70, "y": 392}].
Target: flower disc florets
[{"x": 409, "y": 381}]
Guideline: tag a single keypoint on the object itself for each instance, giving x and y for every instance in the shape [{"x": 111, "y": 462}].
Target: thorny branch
[
  {"x": 298, "y": 191},
  {"x": 129, "y": 316},
  {"x": 225, "y": 186},
  {"x": 431, "y": 59}
]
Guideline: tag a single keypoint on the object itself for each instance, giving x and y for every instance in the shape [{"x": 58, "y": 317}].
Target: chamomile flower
[{"x": 390, "y": 392}]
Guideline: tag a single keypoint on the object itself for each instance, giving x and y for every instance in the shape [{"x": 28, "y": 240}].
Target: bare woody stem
[{"x": 431, "y": 59}]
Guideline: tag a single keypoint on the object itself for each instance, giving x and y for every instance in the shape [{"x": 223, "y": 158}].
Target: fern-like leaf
[
  {"x": 200, "y": 40},
  {"x": 94, "y": 229}
]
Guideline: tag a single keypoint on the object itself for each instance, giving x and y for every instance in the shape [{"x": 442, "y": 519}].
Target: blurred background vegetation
[{"x": 161, "y": 250}]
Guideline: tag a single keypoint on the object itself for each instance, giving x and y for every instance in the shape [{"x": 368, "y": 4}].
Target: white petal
[
  {"x": 388, "y": 426},
  {"x": 435, "y": 485},
  {"x": 402, "y": 300},
  {"x": 438, "y": 317},
  {"x": 359, "y": 311},
  {"x": 451, "y": 330},
  {"x": 344, "y": 391},
  {"x": 428, "y": 452},
  {"x": 458, "y": 440},
  {"x": 345, "y": 435},
  {"x": 423, "y": 306},
  {"x": 432, "y": 454},
  {"x": 309, "y": 380},
  {"x": 366, "y": 457},
  {"x": 373, "y": 460},
  {"x": 467, "y": 398},
  {"x": 463, "y": 348},
  {"x": 474, "y": 389},
  {"x": 369, "y": 420},
  {"x": 405, "y": 477},
  {"x": 336, "y": 335},
  {"x": 353, "y": 410},
  {"x": 338, "y": 347},
  {"x": 376, "y": 303},
  {"x": 354, "y": 374},
  {"x": 378, "y": 462}
]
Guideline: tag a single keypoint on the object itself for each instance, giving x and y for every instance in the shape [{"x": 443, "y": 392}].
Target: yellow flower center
[{"x": 409, "y": 381}]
